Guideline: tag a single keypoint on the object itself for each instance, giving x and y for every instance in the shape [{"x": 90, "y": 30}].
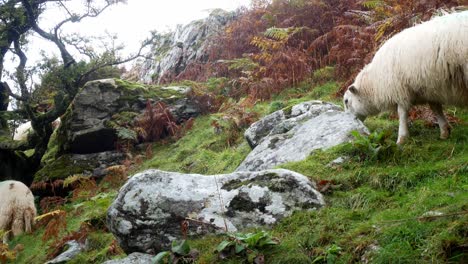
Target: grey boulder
[
  {"x": 89, "y": 124},
  {"x": 283, "y": 120},
  {"x": 286, "y": 136},
  {"x": 151, "y": 207},
  {"x": 134, "y": 258}
]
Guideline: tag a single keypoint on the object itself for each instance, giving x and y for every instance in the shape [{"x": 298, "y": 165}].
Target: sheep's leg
[
  {"x": 28, "y": 220},
  {"x": 17, "y": 227},
  {"x": 403, "y": 127},
  {"x": 5, "y": 220},
  {"x": 441, "y": 120}
]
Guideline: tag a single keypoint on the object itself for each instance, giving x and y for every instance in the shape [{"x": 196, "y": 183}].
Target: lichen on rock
[
  {"x": 146, "y": 215},
  {"x": 291, "y": 135}
]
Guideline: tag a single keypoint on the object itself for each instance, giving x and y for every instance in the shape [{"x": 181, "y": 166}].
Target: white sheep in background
[
  {"x": 23, "y": 130},
  {"x": 427, "y": 63},
  {"x": 17, "y": 209}
]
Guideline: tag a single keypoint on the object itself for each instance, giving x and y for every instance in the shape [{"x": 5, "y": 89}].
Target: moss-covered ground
[{"x": 378, "y": 208}]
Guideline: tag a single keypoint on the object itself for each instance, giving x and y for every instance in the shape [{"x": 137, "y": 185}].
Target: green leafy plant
[
  {"x": 179, "y": 253},
  {"x": 245, "y": 245},
  {"x": 324, "y": 74},
  {"x": 377, "y": 146},
  {"x": 330, "y": 256},
  {"x": 242, "y": 64},
  {"x": 126, "y": 134}
]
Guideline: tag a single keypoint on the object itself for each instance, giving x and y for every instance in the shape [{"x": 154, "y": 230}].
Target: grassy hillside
[{"x": 379, "y": 202}]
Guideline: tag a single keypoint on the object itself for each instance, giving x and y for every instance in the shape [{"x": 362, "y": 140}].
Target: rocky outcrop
[
  {"x": 85, "y": 142},
  {"x": 292, "y": 134},
  {"x": 151, "y": 207},
  {"x": 172, "y": 52},
  {"x": 89, "y": 124}
]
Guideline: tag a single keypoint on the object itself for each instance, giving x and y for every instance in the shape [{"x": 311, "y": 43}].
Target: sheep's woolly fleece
[
  {"x": 17, "y": 209},
  {"x": 424, "y": 63}
]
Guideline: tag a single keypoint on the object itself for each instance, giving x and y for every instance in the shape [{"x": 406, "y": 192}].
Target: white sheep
[
  {"x": 17, "y": 209},
  {"x": 427, "y": 63},
  {"x": 23, "y": 130}
]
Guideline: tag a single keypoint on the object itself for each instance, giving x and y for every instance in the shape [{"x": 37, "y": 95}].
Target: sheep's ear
[{"x": 353, "y": 89}]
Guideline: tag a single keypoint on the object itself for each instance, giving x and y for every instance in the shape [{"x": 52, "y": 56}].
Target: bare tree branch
[
  {"x": 117, "y": 62},
  {"x": 66, "y": 56},
  {"x": 20, "y": 76},
  {"x": 75, "y": 18},
  {"x": 80, "y": 45},
  {"x": 10, "y": 92}
]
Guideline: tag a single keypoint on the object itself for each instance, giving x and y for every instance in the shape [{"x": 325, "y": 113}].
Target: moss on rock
[
  {"x": 61, "y": 168},
  {"x": 136, "y": 91},
  {"x": 115, "y": 103},
  {"x": 270, "y": 180},
  {"x": 52, "y": 149},
  {"x": 287, "y": 110}
]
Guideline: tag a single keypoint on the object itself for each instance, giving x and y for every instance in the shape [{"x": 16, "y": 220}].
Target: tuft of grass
[{"x": 201, "y": 150}]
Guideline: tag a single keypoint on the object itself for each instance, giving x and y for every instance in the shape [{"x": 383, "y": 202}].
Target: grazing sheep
[
  {"x": 17, "y": 209},
  {"x": 427, "y": 63}
]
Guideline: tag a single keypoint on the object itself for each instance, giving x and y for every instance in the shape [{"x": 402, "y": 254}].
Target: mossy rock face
[
  {"x": 88, "y": 128},
  {"x": 61, "y": 168},
  {"x": 71, "y": 164},
  {"x": 90, "y": 123},
  {"x": 174, "y": 51}
]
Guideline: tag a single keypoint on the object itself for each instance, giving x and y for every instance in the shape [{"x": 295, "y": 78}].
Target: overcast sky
[{"x": 133, "y": 21}]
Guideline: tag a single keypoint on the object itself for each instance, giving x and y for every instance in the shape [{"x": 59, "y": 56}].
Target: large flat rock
[{"x": 151, "y": 207}]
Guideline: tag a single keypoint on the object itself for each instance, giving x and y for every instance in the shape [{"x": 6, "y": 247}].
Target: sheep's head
[{"x": 355, "y": 104}]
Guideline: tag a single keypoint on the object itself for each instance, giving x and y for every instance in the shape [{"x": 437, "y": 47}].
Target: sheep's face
[{"x": 355, "y": 104}]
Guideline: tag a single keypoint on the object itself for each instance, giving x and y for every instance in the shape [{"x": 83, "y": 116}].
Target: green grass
[
  {"x": 374, "y": 203},
  {"x": 201, "y": 150},
  {"x": 91, "y": 211}
]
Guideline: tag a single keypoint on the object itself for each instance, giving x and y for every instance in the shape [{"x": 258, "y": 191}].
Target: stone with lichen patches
[
  {"x": 150, "y": 208},
  {"x": 134, "y": 258},
  {"x": 288, "y": 136}
]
